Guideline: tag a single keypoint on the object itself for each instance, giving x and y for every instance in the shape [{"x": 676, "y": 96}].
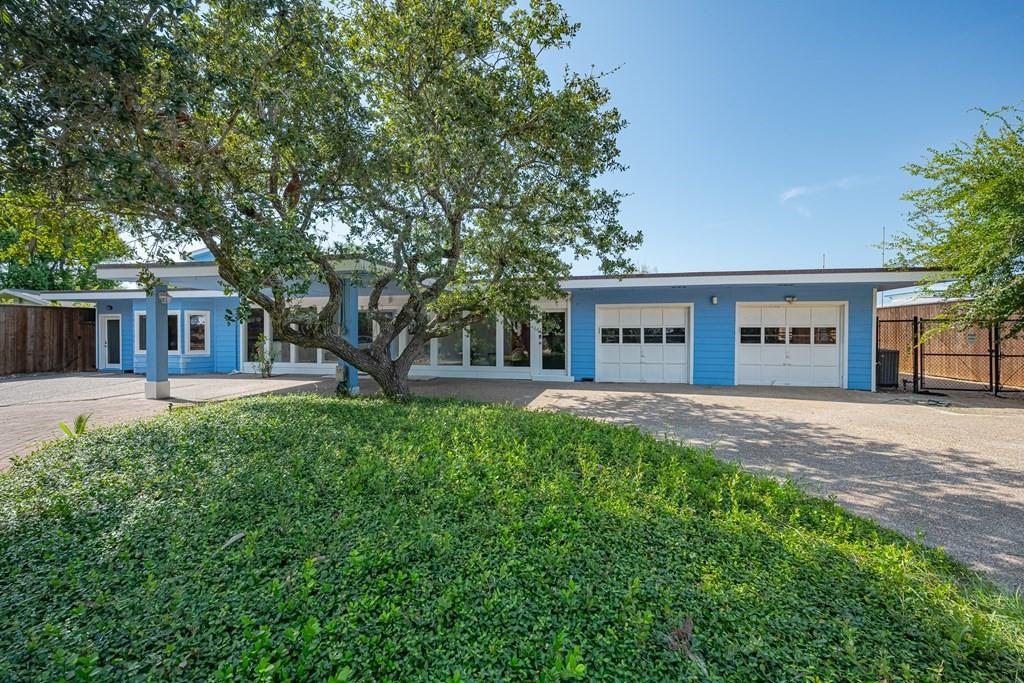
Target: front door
[{"x": 109, "y": 356}]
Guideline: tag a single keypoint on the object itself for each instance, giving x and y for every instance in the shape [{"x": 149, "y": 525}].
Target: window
[
  {"x": 305, "y": 354},
  {"x": 483, "y": 343},
  {"x": 824, "y": 335},
  {"x": 141, "y": 332},
  {"x": 630, "y": 335},
  {"x": 365, "y": 329},
  {"x": 552, "y": 338},
  {"x": 675, "y": 335},
  {"x": 198, "y": 331},
  {"x": 775, "y": 335},
  {"x": 609, "y": 335},
  {"x": 654, "y": 335},
  {"x": 329, "y": 357},
  {"x": 449, "y": 349},
  {"x": 253, "y": 330},
  {"x": 799, "y": 335},
  {"x": 516, "y": 345},
  {"x": 750, "y": 335}
]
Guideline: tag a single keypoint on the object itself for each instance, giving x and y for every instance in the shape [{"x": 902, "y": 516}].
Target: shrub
[{"x": 306, "y": 538}]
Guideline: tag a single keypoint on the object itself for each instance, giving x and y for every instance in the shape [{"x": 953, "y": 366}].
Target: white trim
[
  {"x": 690, "y": 337},
  {"x": 874, "y": 339},
  {"x": 896, "y": 278},
  {"x": 208, "y": 334},
  {"x": 138, "y": 313},
  {"x": 108, "y": 295},
  {"x": 101, "y": 338},
  {"x": 844, "y": 336}
]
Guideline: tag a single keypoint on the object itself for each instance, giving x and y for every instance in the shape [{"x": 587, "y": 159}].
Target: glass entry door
[
  {"x": 110, "y": 341},
  {"x": 553, "y": 352}
]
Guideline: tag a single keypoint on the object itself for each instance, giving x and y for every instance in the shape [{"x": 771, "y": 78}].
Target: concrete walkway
[
  {"x": 33, "y": 406},
  {"x": 953, "y": 473}
]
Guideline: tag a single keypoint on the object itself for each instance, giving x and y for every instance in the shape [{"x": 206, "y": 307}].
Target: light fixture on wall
[
  {"x": 164, "y": 298},
  {"x": 714, "y": 300},
  {"x": 109, "y": 307},
  {"x": 790, "y": 298}
]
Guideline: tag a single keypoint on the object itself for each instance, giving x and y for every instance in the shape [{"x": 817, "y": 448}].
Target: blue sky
[{"x": 763, "y": 134}]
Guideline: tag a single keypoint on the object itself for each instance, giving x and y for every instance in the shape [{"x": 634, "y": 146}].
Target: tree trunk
[{"x": 393, "y": 382}]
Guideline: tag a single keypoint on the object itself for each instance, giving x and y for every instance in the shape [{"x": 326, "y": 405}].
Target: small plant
[
  {"x": 264, "y": 359},
  {"x": 81, "y": 423}
]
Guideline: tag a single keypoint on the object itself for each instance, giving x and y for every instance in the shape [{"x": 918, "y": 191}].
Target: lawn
[{"x": 308, "y": 538}]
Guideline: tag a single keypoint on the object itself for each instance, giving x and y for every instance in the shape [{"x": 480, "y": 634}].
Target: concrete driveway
[
  {"x": 953, "y": 473},
  {"x": 32, "y": 406}
]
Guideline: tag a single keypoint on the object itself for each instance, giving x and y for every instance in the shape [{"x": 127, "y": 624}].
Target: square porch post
[
  {"x": 348, "y": 376},
  {"x": 157, "y": 386}
]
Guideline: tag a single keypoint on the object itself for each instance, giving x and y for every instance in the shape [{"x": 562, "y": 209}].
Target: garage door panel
[
  {"x": 630, "y": 353},
  {"x": 773, "y": 316},
  {"x": 749, "y": 317},
  {"x": 675, "y": 317},
  {"x": 825, "y": 316},
  {"x": 630, "y": 317},
  {"x": 638, "y": 349},
  {"x": 787, "y": 345},
  {"x": 798, "y": 316}
]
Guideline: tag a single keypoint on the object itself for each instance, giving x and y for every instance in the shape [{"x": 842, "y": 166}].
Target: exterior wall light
[
  {"x": 164, "y": 297},
  {"x": 714, "y": 300},
  {"x": 790, "y": 299}
]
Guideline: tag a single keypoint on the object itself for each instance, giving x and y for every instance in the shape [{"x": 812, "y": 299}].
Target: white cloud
[{"x": 837, "y": 184}]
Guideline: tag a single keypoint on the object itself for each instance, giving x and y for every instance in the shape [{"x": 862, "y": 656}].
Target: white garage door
[
  {"x": 791, "y": 345},
  {"x": 643, "y": 344}
]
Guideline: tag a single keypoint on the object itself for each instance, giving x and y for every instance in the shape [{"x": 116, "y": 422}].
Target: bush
[{"x": 300, "y": 537}]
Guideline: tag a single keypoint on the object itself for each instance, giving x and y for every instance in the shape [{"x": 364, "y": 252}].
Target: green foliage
[
  {"x": 264, "y": 358},
  {"x": 427, "y": 128},
  {"x": 306, "y": 538},
  {"x": 45, "y": 245},
  {"x": 969, "y": 221},
  {"x": 81, "y": 424}
]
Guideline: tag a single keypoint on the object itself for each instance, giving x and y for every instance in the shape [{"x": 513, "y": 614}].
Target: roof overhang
[
  {"x": 198, "y": 274},
  {"x": 879, "y": 278}
]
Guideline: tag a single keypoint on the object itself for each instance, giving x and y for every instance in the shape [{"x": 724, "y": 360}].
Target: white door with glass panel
[
  {"x": 108, "y": 356},
  {"x": 789, "y": 345},
  {"x": 643, "y": 344}
]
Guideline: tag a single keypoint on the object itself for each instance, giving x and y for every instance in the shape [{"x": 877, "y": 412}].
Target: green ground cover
[{"x": 309, "y": 538}]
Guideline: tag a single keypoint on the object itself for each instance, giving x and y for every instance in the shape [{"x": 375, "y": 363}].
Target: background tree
[
  {"x": 44, "y": 245},
  {"x": 426, "y": 128},
  {"x": 969, "y": 222}
]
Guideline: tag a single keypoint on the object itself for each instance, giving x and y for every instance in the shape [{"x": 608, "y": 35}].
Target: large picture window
[
  {"x": 516, "y": 345},
  {"x": 483, "y": 343},
  {"x": 449, "y": 349},
  {"x": 141, "y": 332}
]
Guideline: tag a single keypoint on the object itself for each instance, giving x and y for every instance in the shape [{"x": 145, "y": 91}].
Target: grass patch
[{"x": 307, "y": 538}]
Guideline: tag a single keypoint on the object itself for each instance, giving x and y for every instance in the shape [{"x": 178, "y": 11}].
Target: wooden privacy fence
[{"x": 46, "y": 339}]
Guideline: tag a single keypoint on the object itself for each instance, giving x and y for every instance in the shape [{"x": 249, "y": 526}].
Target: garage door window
[
  {"x": 609, "y": 335},
  {"x": 630, "y": 335},
  {"x": 750, "y": 335},
  {"x": 800, "y": 335},
  {"x": 775, "y": 335},
  {"x": 653, "y": 335},
  {"x": 675, "y": 335},
  {"x": 824, "y": 335}
]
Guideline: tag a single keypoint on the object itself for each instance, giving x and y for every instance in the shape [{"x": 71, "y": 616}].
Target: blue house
[{"x": 770, "y": 327}]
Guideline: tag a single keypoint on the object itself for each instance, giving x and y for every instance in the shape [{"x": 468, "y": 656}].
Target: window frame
[
  {"x": 141, "y": 313},
  {"x": 207, "y": 334}
]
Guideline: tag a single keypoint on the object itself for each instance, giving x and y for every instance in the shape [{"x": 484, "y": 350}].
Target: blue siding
[
  {"x": 714, "y": 326},
  {"x": 223, "y": 342}
]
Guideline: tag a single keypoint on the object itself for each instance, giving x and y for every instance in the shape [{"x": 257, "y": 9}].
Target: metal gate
[{"x": 921, "y": 355}]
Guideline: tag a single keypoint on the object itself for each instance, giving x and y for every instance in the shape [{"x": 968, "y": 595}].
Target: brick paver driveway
[
  {"x": 954, "y": 473},
  {"x": 32, "y": 407}
]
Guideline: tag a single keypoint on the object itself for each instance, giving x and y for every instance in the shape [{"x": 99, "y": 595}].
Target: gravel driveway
[{"x": 953, "y": 473}]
